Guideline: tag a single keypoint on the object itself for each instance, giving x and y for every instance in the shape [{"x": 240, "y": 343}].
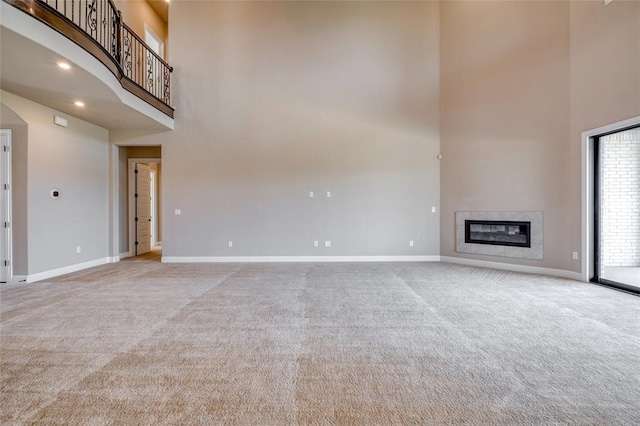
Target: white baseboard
[
  {"x": 67, "y": 269},
  {"x": 296, "y": 259},
  {"x": 124, "y": 255},
  {"x": 516, "y": 268},
  {"x": 18, "y": 279}
]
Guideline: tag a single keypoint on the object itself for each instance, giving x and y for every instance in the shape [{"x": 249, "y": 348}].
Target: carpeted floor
[{"x": 282, "y": 344}]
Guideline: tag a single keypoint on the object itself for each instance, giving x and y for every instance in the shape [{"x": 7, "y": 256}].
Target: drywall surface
[
  {"x": 505, "y": 112},
  {"x": 275, "y": 100},
  {"x": 605, "y": 80},
  {"x": 520, "y": 82},
  {"x": 74, "y": 161},
  {"x": 19, "y": 133}
]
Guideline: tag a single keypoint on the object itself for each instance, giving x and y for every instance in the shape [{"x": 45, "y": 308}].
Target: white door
[
  {"x": 153, "y": 41},
  {"x": 143, "y": 209},
  {"x": 5, "y": 210}
]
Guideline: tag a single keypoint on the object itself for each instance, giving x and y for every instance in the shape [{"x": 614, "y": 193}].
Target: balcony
[{"x": 87, "y": 26}]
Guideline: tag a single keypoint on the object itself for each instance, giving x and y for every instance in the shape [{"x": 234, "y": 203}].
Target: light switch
[{"x": 178, "y": 212}]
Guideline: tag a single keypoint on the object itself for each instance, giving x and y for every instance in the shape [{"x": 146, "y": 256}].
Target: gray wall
[
  {"x": 520, "y": 82},
  {"x": 277, "y": 99},
  {"x": 19, "y": 133},
  {"x": 73, "y": 160}
]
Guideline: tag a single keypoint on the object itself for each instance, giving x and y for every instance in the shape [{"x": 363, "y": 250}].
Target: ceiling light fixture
[
  {"x": 79, "y": 104},
  {"x": 64, "y": 65}
]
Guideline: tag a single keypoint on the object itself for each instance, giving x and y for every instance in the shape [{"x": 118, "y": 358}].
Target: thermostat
[{"x": 55, "y": 193}]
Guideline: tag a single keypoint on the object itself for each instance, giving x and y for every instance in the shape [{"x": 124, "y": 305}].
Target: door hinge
[
  {"x": 6, "y": 263},
  {"x": 5, "y": 148},
  {"x": 6, "y": 186},
  {"x": 136, "y": 171},
  {"x": 136, "y": 243},
  {"x": 6, "y": 224},
  {"x": 136, "y": 219},
  {"x": 136, "y": 195}
]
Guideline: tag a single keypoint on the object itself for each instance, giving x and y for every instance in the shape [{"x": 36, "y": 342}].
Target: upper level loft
[{"x": 120, "y": 81}]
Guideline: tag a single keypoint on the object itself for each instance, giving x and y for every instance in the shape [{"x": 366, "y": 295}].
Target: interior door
[
  {"x": 5, "y": 210},
  {"x": 143, "y": 209}
]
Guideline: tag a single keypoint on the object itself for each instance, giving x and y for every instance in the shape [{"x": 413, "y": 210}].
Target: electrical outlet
[
  {"x": 230, "y": 244},
  {"x": 410, "y": 243},
  {"x": 328, "y": 194},
  {"x": 78, "y": 249},
  {"x": 177, "y": 212},
  {"x": 315, "y": 244},
  {"x": 575, "y": 255},
  {"x": 433, "y": 209},
  {"x": 327, "y": 243},
  {"x": 310, "y": 194}
]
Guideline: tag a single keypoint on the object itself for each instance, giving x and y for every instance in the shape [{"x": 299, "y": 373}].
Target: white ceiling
[{"x": 30, "y": 70}]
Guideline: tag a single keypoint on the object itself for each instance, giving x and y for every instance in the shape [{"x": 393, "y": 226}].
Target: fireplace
[{"x": 498, "y": 233}]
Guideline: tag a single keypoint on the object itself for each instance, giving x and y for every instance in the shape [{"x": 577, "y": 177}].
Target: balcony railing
[{"x": 97, "y": 26}]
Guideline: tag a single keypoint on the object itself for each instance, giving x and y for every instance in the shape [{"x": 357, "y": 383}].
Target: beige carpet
[{"x": 281, "y": 344}]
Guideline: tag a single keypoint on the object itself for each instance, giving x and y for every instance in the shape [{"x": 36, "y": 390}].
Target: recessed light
[
  {"x": 64, "y": 65},
  {"x": 79, "y": 104}
]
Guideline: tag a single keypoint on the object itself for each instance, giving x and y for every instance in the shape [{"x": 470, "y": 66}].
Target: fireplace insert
[{"x": 498, "y": 233}]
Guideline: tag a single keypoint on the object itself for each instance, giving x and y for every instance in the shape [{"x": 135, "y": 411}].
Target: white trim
[
  {"x": 18, "y": 279},
  {"x": 68, "y": 269},
  {"x": 587, "y": 191},
  {"x": 125, "y": 255},
  {"x": 512, "y": 267},
  {"x": 296, "y": 259}
]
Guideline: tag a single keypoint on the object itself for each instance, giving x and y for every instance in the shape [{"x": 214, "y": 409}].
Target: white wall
[{"x": 73, "y": 160}]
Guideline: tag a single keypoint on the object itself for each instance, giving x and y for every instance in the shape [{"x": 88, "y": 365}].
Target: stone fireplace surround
[{"x": 535, "y": 252}]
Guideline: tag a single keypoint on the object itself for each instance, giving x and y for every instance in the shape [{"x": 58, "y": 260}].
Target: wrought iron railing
[
  {"x": 101, "y": 20},
  {"x": 144, "y": 66},
  {"x": 98, "y": 19}
]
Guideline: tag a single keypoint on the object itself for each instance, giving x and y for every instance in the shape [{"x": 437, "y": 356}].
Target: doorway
[
  {"x": 6, "y": 268},
  {"x": 617, "y": 209},
  {"x": 145, "y": 209}
]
